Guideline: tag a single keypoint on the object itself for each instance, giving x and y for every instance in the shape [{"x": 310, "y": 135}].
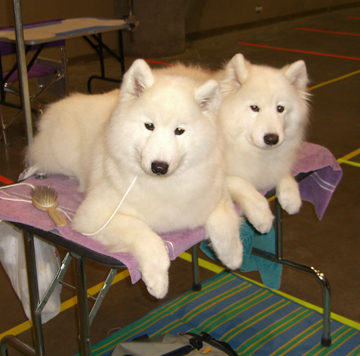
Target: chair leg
[
  {"x": 195, "y": 262},
  {"x": 23, "y": 78},
  {"x": 64, "y": 70},
  {"x": 3, "y": 127}
]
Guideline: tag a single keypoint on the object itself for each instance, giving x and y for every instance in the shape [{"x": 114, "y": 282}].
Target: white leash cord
[{"x": 116, "y": 210}]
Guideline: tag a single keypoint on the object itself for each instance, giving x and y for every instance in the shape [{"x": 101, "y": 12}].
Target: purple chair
[{"x": 47, "y": 72}]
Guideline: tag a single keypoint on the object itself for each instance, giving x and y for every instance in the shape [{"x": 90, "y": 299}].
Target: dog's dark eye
[
  {"x": 280, "y": 109},
  {"x": 149, "y": 126},
  {"x": 254, "y": 108},
  {"x": 179, "y": 131}
]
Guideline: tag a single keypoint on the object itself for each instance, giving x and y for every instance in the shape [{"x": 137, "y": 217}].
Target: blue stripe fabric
[{"x": 253, "y": 320}]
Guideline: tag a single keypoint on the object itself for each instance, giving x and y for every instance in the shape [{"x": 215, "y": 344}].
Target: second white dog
[{"x": 263, "y": 115}]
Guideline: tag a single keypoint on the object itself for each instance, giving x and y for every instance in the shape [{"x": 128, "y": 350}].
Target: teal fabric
[
  {"x": 252, "y": 320},
  {"x": 270, "y": 272}
]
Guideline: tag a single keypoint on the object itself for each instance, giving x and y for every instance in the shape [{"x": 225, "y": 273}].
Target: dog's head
[
  {"x": 264, "y": 105},
  {"x": 163, "y": 122}
]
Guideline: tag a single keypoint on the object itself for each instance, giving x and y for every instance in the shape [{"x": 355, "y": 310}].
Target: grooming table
[{"x": 319, "y": 173}]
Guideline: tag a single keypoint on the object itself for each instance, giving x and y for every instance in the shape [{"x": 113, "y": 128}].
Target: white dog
[
  {"x": 263, "y": 116},
  {"x": 161, "y": 129}
]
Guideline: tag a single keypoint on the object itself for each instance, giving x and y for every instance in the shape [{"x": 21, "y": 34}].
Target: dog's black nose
[
  {"x": 271, "y": 139},
  {"x": 159, "y": 167}
]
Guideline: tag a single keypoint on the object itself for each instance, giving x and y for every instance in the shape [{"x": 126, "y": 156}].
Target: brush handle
[{"x": 57, "y": 217}]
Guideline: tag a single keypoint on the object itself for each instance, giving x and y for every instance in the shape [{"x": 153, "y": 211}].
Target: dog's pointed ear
[
  {"x": 236, "y": 72},
  {"x": 238, "y": 68},
  {"x": 208, "y": 96},
  {"x": 137, "y": 79},
  {"x": 297, "y": 74}
]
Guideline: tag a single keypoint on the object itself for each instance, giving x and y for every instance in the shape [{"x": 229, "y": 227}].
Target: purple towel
[{"x": 317, "y": 188}]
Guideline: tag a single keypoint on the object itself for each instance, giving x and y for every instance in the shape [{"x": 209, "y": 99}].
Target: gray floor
[{"x": 331, "y": 245}]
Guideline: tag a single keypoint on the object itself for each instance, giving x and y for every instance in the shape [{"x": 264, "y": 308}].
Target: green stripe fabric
[{"x": 252, "y": 319}]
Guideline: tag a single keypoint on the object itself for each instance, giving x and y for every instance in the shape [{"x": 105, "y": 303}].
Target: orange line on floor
[
  {"x": 327, "y": 31},
  {"x": 299, "y": 51},
  {"x": 353, "y": 17},
  {"x": 158, "y": 62},
  {"x": 5, "y": 180}
]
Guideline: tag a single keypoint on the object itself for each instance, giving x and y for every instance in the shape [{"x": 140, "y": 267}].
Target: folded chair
[{"x": 46, "y": 71}]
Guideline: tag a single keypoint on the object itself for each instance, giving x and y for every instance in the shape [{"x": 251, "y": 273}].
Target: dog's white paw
[
  {"x": 264, "y": 222},
  {"x": 157, "y": 283},
  {"x": 155, "y": 276},
  {"x": 288, "y": 194},
  {"x": 222, "y": 227},
  {"x": 232, "y": 257},
  {"x": 290, "y": 202},
  {"x": 260, "y": 216}
]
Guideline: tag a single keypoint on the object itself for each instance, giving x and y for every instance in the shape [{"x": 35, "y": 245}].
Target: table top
[{"x": 64, "y": 29}]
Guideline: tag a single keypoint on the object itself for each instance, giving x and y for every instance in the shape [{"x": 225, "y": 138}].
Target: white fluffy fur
[
  {"x": 251, "y": 164},
  {"x": 102, "y": 141}
]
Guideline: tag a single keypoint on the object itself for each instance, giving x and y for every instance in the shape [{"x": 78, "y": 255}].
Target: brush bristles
[{"x": 44, "y": 195}]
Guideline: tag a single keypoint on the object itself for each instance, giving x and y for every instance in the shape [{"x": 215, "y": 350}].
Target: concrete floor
[{"x": 332, "y": 245}]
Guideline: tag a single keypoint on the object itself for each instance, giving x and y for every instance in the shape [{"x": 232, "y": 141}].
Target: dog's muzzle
[
  {"x": 159, "y": 167},
  {"x": 271, "y": 139}
]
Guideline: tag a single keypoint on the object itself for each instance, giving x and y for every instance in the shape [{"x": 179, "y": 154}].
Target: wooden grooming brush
[{"x": 45, "y": 198}]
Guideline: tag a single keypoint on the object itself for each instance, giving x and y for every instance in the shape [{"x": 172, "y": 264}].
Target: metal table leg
[
  {"x": 81, "y": 291},
  {"x": 23, "y": 78},
  {"x": 18, "y": 345},
  {"x": 33, "y": 293},
  {"x": 278, "y": 257},
  {"x": 195, "y": 263}
]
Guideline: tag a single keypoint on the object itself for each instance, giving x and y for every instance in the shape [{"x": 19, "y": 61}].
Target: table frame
[{"x": 78, "y": 253}]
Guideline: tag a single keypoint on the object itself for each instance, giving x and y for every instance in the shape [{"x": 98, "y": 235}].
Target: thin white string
[
  {"x": 64, "y": 212},
  {"x": 58, "y": 208},
  {"x": 17, "y": 184},
  {"x": 116, "y": 210},
  {"x": 13, "y": 197},
  {"x": 7, "y": 194}
]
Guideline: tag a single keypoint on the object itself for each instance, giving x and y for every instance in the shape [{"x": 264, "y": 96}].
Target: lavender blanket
[{"x": 317, "y": 188}]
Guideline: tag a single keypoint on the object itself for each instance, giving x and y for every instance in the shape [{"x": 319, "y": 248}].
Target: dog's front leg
[
  {"x": 131, "y": 235},
  {"x": 288, "y": 193},
  {"x": 126, "y": 234},
  {"x": 254, "y": 205},
  {"x": 222, "y": 229}
]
